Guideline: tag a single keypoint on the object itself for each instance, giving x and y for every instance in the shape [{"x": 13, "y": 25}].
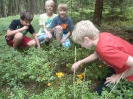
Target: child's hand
[
  {"x": 75, "y": 66},
  {"x": 113, "y": 79},
  {"x": 25, "y": 27},
  {"x": 63, "y": 40},
  {"x": 38, "y": 48},
  {"x": 48, "y": 35},
  {"x": 59, "y": 28}
]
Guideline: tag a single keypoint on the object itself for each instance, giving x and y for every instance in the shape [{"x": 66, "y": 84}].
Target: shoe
[{"x": 47, "y": 43}]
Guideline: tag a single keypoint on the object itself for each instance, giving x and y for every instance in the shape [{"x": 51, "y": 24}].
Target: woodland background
[{"x": 78, "y": 9}]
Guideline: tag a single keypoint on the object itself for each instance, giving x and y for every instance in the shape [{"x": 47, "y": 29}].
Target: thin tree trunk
[{"x": 98, "y": 12}]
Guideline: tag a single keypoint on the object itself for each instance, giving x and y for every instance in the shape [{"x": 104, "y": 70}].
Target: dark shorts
[{"x": 23, "y": 43}]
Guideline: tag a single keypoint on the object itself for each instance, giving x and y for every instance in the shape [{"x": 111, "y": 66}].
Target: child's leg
[
  {"x": 67, "y": 42},
  {"x": 17, "y": 40},
  {"x": 58, "y": 35},
  {"x": 42, "y": 37},
  {"x": 31, "y": 43},
  {"x": 100, "y": 87}
]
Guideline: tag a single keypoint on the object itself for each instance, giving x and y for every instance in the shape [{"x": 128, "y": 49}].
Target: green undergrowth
[{"x": 46, "y": 73}]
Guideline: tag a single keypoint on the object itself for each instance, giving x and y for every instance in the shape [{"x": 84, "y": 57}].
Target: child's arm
[
  {"x": 48, "y": 33},
  {"x": 58, "y": 27},
  {"x": 85, "y": 60},
  {"x": 36, "y": 40},
  {"x": 13, "y": 32},
  {"x": 127, "y": 73},
  {"x": 67, "y": 35}
]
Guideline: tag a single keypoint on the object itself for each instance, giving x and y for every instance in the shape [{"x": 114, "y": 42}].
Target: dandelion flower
[
  {"x": 100, "y": 66},
  {"x": 49, "y": 84},
  {"x": 60, "y": 74},
  {"x": 79, "y": 81},
  {"x": 80, "y": 76},
  {"x": 67, "y": 65}
]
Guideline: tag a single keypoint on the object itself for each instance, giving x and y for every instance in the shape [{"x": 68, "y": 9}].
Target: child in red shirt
[{"x": 112, "y": 50}]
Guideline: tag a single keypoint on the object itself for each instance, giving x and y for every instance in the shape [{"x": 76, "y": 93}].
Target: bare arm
[
  {"x": 114, "y": 78},
  {"x": 36, "y": 40},
  {"x": 85, "y": 60},
  {"x": 13, "y": 32},
  {"x": 129, "y": 72},
  {"x": 67, "y": 35},
  {"x": 48, "y": 33},
  {"x": 58, "y": 27}
]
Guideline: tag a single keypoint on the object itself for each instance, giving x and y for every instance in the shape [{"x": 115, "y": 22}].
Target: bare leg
[
  {"x": 58, "y": 36},
  {"x": 17, "y": 40},
  {"x": 31, "y": 43}
]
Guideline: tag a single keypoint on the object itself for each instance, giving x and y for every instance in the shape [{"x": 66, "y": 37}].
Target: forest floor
[{"x": 123, "y": 32}]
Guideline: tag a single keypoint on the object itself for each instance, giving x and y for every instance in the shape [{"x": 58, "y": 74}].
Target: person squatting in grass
[
  {"x": 62, "y": 26},
  {"x": 45, "y": 20},
  {"x": 17, "y": 30},
  {"x": 112, "y": 50}
]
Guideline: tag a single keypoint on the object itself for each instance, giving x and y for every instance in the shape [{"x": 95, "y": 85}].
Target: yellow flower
[
  {"x": 67, "y": 65},
  {"x": 49, "y": 84},
  {"x": 100, "y": 66},
  {"x": 80, "y": 76},
  {"x": 79, "y": 81},
  {"x": 49, "y": 66},
  {"x": 60, "y": 74}
]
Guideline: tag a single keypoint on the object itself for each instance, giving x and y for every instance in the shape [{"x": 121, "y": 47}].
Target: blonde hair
[
  {"x": 62, "y": 6},
  {"x": 84, "y": 28},
  {"x": 50, "y": 2}
]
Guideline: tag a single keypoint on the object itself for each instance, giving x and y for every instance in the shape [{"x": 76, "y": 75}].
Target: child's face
[
  {"x": 25, "y": 22},
  {"x": 87, "y": 43},
  {"x": 62, "y": 13},
  {"x": 49, "y": 8}
]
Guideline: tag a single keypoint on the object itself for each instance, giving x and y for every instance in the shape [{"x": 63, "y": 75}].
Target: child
[
  {"x": 17, "y": 30},
  {"x": 62, "y": 26},
  {"x": 45, "y": 20},
  {"x": 112, "y": 50}
]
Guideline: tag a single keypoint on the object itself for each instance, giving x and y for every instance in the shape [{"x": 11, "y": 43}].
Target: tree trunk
[
  {"x": 3, "y": 10},
  {"x": 55, "y": 7},
  {"x": 98, "y": 12}
]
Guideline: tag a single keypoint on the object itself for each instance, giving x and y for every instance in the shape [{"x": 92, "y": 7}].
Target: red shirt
[{"x": 114, "y": 51}]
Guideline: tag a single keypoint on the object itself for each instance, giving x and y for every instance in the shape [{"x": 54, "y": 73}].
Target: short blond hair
[
  {"x": 62, "y": 6},
  {"x": 84, "y": 28},
  {"x": 50, "y": 2}
]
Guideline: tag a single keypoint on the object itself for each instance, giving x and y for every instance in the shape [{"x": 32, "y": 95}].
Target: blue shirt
[{"x": 66, "y": 24}]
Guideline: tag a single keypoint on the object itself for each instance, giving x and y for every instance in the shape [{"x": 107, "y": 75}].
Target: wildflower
[
  {"x": 60, "y": 74},
  {"x": 100, "y": 66},
  {"x": 80, "y": 76},
  {"x": 49, "y": 84},
  {"x": 79, "y": 81},
  {"x": 67, "y": 65},
  {"x": 49, "y": 66}
]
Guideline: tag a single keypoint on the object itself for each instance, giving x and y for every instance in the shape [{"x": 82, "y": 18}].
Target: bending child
[
  {"x": 112, "y": 50},
  {"x": 17, "y": 30},
  {"x": 45, "y": 20},
  {"x": 62, "y": 26}
]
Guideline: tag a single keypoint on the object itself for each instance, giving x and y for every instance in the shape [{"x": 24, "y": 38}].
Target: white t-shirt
[{"x": 45, "y": 20}]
